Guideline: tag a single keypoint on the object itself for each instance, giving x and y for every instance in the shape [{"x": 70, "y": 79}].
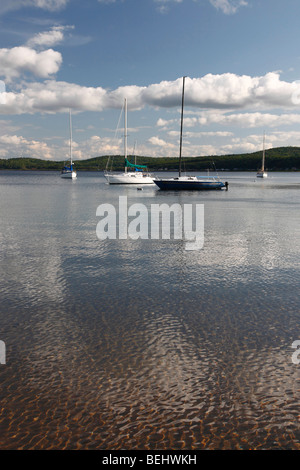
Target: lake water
[{"x": 141, "y": 344}]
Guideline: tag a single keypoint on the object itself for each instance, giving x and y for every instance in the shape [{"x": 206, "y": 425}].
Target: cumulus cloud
[
  {"x": 212, "y": 92},
  {"x": 159, "y": 142},
  {"x": 52, "y": 96},
  {"x": 211, "y": 143},
  {"x": 226, "y": 91},
  {"x": 253, "y": 143},
  {"x": 16, "y": 146},
  {"x": 96, "y": 145},
  {"x": 18, "y": 60},
  {"x": 13, "y": 145},
  {"x": 251, "y": 120}
]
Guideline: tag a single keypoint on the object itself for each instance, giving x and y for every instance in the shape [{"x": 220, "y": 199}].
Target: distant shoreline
[
  {"x": 286, "y": 159},
  {"x": 44, "y": 170}
]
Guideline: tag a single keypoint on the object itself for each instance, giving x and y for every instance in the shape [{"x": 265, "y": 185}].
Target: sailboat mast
[
  {"x": 263, "y": 158},
  {"x": 70, "y": 124},
  {"x": 181, "y": 126},
  {"x": 125, "y": 132},
  {"x": 134, "y": 152}
]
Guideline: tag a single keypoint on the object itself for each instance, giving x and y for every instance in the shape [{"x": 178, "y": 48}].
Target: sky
[{"x": 241, "y": 59}]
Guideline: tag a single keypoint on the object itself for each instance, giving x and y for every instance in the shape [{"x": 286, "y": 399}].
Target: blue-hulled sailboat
[{"x": 188, "y": 182}]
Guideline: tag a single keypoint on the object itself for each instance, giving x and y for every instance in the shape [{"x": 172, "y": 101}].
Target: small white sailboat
[
  {"x": 262, "y": 173},
  {"x": 133, "y": 173},
  {"x": 69, "y": 171},
  {"x": 188, "y": 182}
]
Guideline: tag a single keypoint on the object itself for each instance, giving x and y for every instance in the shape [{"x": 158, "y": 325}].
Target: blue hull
[{"x": 189, "y": 185}]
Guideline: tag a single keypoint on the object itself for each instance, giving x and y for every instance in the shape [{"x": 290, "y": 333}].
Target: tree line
[{"x": 277, "y": 159}]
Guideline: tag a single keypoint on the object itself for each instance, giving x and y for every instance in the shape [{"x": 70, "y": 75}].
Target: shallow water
[{"x": 141, "y": 344}]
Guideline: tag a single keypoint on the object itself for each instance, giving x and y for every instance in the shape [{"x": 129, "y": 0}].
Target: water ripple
[{"x": 140, "y": 344}]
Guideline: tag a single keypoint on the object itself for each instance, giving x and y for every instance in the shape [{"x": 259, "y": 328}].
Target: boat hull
[
  {"x": 69, "y": 174},
  {"x": 194, "y": 185},
  {"x": 261, "y": 174},
  {"x": 128, "y": 178}
]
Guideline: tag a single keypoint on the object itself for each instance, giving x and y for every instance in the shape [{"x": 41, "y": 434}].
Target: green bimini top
[{"x": 131, "y": 165}]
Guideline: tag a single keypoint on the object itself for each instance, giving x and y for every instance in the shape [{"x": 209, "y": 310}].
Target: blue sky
[{"x": 241, "y": 59}]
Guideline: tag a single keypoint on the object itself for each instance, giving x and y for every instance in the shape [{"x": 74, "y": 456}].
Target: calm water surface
[{"x": 140, "y": 344}]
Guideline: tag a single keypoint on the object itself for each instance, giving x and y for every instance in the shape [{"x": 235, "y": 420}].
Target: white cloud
[
  {"x": 226, "y": 91},
  {"x": 228, "y": 7},
  {"x": 159, "y": 142},
  {"x": 238, "y": 120},
  {"x": 211, "y": 92},
  {"x": 162, "y": 122},
  {"x": 48, "y": 38},
  {"x": 49, "y": 5},
  {"x": 95, "y": 146},
  {"x": 52, "y": 97},
  {"x": 163, "y": 5},
  {"x": 133, "y": 93},
  {"x": 251, "y": 120},
  {"x": 18, "y": 60},
  {"x": 16, "y": 146},
  {"x": 206, "y": 134},
  {"x": 253, "y": 143},
  {"x": 211, "y": 143}
]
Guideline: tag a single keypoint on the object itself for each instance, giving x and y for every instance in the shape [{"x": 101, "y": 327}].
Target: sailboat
[
  {"x": 188, "y": 182},
  {"x": 262, "y": 173},
  {"x": 69, "y": 171},
  {"x": 133, "y": 174}
]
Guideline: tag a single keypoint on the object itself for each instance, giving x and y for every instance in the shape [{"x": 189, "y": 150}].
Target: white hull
[
  {"x": 261, "y": 174},
  {"x": 68, "y": 171},
  {"x": 69, "y": 175},
  {"x": 129, "y": 178}
]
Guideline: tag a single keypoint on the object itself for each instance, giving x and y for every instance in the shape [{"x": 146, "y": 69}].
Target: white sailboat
[
  {"x": 262, "y": 173},
  {"x": 188, "y": 182},
  {"x": 69, "y": 171},
  {"x": 133, "y": 174}
]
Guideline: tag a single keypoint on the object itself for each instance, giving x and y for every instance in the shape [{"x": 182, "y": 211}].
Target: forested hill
[{"x": 277, "y": 159}]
